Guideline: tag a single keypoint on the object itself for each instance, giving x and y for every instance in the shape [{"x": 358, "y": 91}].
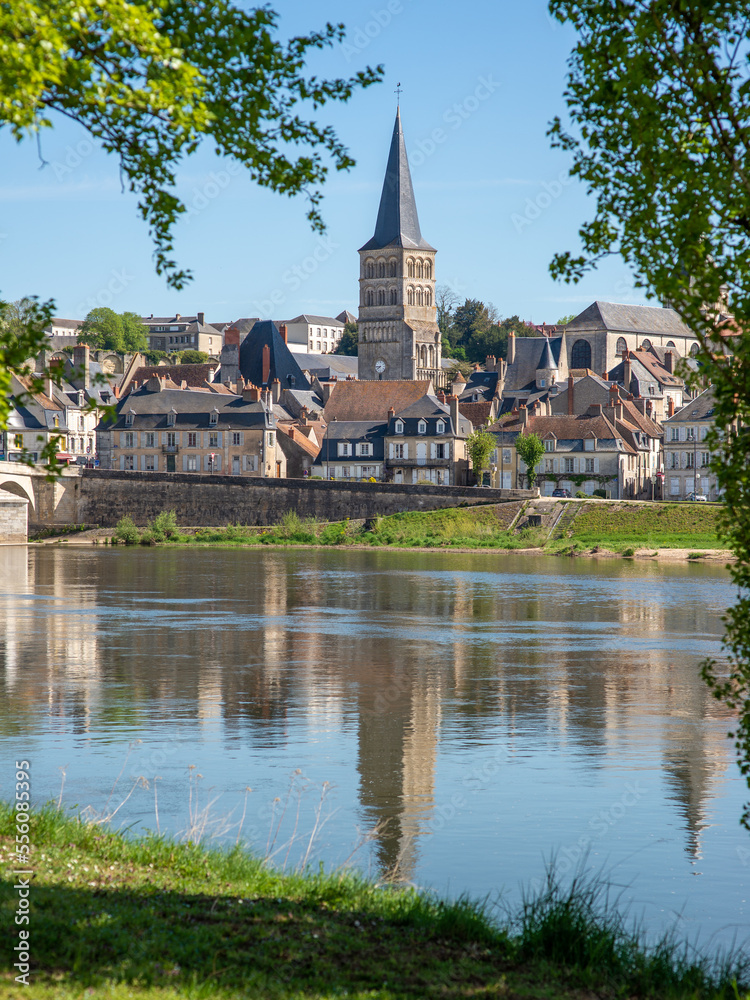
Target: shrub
[
  {"x": 600, "y": 493},
  {"x": 580, "y": 495},
  {"x": 126, "y": 531},
  {"x": 165, "y": 524}
]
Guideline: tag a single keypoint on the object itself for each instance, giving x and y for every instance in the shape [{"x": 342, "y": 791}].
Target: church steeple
[
  {"x": 398, "y": 222},
  {"x": 399, "y": 337}
]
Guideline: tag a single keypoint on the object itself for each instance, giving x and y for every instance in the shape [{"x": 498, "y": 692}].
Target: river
[{"x": 450, "y": 720}]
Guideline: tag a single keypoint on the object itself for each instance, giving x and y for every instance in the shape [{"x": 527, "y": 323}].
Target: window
[
  {"x": 191, "y": 465},
  {"x": 128, "y": 439},
  {"x": 705, "y": 458},
  {"x": 398, "y": 451},
  {"x": 365, "y": 449},
  {"x": 440, "y": 429},
  {"x": 570, "y": 465},
  {"x": 393, "y": 297},
  {"x": 506, "y": 456},
  {"x": 621, "y": 346},
  {"x": 369, "y": 297},
  {"x": 192, "y": 439},
  {"x": 236, "y": 438},
  {"x": 213, "y": 439},
  {"x": 646, "y": 345},
  {"x": 129, "y": 463},
  {"x": 346, "y": 472},
  {"x": 214, "y": 417},
  {"x": 18, "y": 441},
  {"x": 690, "y": 434},
  {"x": 549, "y": 445},
  {"x": 440, "y": 450},
  {"x": 422, "y": 427},
  {"x": 542, "y": 383},
  {"x": 128, "y": 418},
  {"x": 381, "y": 296},
  {"x": 549, "y": 464},
  {"x": 392, "y": 269},
  {"x": 674, "y": 487},
  {"x": 149, "y": 439},
  {"x": 149, "y": 463},
  {"x": 399, "y": 427},
  {"x": 410, "y": 268},
  {"x": 171, "y": 439},
  {"x": 366, "y": 471},
  {"x": 674, "y": 433},
  {"x": 344, "y": 450},
  {"x": 580, "y": 356},
  {"x": 171, "y": 418},
  {"x": 689, "y": 460},
  {"x": 370, "y": 270},
  {"x": 590, "y": 465},
  {"x": 588, "y": 444},
  {"x": 671, "y": 343}
]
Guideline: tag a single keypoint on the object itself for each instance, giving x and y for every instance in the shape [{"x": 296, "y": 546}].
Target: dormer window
[
  {"x": 440, "y": 427},
  {"x": 129, "y": 416},
  {"x": 214, "y": 417},
  {"x": 589, "y": 444},
  {"x": 422, "y": 427},
  {"x": 171, "y": 418},
  {"x": 399, "y": 429},
  {"x": 549, "y": 444}
]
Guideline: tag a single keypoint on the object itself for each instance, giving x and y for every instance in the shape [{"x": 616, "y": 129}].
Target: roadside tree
[
  {"x": 480, "y": 445},
  {"x": 530, "y": 449}
]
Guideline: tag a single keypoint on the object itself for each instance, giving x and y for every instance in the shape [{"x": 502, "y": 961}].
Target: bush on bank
[{"x": 153, "y": 919}]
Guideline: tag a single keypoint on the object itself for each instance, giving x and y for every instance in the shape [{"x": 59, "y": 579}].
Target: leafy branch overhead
[
  {"x": 151, "y": 80},
  {"x": 659, "y": 100}
]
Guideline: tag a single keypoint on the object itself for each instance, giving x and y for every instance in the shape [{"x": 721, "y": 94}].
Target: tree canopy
[
  {"x": 659, "y": 100},
  {"x": 110, "y": 331},
  {"x": 152, "y": 79},
  {"x": 349, "y": 343},
  {"x": 474, "y": 330},
  {"x": 530, "y": 449},
  {"x": 480, "y": 445}
]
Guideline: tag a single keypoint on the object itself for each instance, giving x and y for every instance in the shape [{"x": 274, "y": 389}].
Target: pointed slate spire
[
  {"x": 546, "y": 362},
  {"x": 398, "y": 223}
]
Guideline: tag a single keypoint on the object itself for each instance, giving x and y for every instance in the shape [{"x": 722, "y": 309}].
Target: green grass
[
  {"x": 152, "y": 919},
  {"x": 657, "y": 526}
]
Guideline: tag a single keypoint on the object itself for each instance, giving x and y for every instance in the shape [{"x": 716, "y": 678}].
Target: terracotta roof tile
[
  {"x": 477, "y": 413},
  {"x": 371, "y": 400}
]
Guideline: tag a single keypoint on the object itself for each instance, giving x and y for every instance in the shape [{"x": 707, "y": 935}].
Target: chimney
[
  {"x": 490, "y": 363},
  {"x": 183, "y": 384},
  {"x": 670, "y": 406},
  {"x": 211, "y": 374},
  {"x": 177, "y": 316},
  {"x": 649, "y": 408},
  {"x": 201, "y": 317},
  {"x": 571, "y": 397},
  {"x": 627, "y": 370},
  {"x": 605, "y": 376},
  {"x": 453, "y": 404},
  {"x": 232, "y": 336},
  {"x": 81, "y": 363},
  {"x": 523, "y": 415},
  {"x": 283, "y": 332},
  {"x": 276, "y": 390},
  {"x": 303, "y": 416},
  {"x": 669, "y": 362},
  {"x": 391, "y": 413},
  {"x": 511, "y": 348},
  {"x": 441, "y": 396}
]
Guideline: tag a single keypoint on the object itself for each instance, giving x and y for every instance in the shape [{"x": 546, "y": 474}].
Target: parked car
[
  {"x": 698, "y": 497},
  {"x": 562, "y": 493}
]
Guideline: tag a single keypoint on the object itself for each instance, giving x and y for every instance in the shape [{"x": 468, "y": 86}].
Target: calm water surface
[{"x": 472, "y": 715}]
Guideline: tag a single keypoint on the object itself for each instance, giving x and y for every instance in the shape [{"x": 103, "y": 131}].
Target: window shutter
[
  {"x": 184, "y": 463},
  {"x": 156, "y": 463},
  {"x": 406, "y": 451},
  {"x": 390, "y": 450},
  {"x": 122, "y": 462},
  {"x": 596, "y": 465},
  {"x": 433, "y": 450}
]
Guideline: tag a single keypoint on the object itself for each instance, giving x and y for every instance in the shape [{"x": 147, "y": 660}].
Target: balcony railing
[
  {"x": 419, "y": 463},
  {"x": 170, "y": 449}
]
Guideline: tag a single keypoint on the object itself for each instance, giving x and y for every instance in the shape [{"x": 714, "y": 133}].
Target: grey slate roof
[
  {"x": 322, "y": 320},
  {"x": 192, "y": 409},
  {"x": 700, "y": 408},
  {"x": 326, "y": 365},
  {"x": 529, "y": 351},
  {"x": 398, "y": 223},
  {"x": 429, "y": 408},
  {"x": 629, "y": 319},
  {"x": 546, "y": 360},
  {"x": 353, "y": 431},
  {"x": 283, "y": 365}
]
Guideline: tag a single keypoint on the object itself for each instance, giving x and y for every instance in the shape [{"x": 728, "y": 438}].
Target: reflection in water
[{"x": 428, "y": 669}]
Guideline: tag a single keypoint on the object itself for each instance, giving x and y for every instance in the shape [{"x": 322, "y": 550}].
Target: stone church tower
[{"x": 399, "y": 337}]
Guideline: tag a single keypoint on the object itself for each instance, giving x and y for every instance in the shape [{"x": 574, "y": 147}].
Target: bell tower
[{"x": 399, "y": 337}]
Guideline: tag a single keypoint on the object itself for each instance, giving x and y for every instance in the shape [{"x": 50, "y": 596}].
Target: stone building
[
  {"x": 687, "y": 456},
  {"x": 399, "y": 337},
  {"x": 161, "y": 427}
]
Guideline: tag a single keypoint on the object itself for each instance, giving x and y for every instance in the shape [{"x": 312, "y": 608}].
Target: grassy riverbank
[
  {"x": 154, "y": 920},
  {"x": 597, "y": 527}
]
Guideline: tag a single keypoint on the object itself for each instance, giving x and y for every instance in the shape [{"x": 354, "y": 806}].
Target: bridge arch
[{"x": 19, "y": 489}]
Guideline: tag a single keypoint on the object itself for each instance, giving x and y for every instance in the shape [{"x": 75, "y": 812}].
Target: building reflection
[{"x": 267, "y": 647}]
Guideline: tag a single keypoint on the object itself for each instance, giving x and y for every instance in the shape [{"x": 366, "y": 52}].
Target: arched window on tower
[
  {"x": 622, "y": 345},
  {"x": 420, "y": 297},
  {"x": 370, "y": 269},
  {"x": 427, "y": 297},
  {"x": 580, "y": 356},
  {"x": 424, "y": 356},
  {"x": 410, "y": 295},
  {"x": 646, "y": 345},
  {"x": 381, "y": 296},
  {"x": 369, "y": 298},
  {"x": 381, "y": 268},
  {"x": 391, "y": 268},
  {"x": 431, "y": 356},
  {"x": 671, "y": 343},
  {"x": 410, "y": 267},
  {"x": 427, "y": 269},
  {"x": 420, "y": 268},
  {"x": 393, "y": 296}
]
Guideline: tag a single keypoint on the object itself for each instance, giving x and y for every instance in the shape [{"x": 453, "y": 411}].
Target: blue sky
[{"x": 480, "y": 83}]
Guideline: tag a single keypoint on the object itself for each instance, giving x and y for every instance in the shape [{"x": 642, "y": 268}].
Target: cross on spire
[{"x": 398, "y": 91}]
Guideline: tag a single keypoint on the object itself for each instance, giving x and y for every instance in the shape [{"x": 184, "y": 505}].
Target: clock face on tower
[{"x": 380, "y": 366}]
